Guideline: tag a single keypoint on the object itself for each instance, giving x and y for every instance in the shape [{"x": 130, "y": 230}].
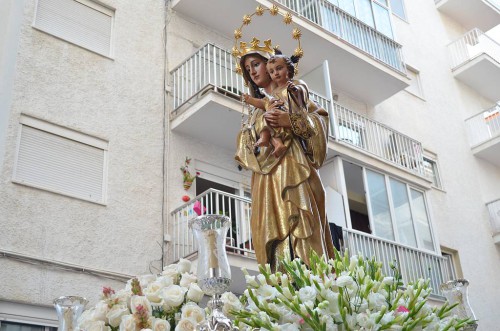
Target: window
[
  {"x": 431, "y": 171},
  {"x": 421, "y": 220},
  {"x": 388, "y": 208},
  {"x": 82, "y": 22},
  {"x": 61, "y": 160},
  {"x": 373, "y": 13},
  {"x": 398, "y": 8},
  {"x": 9, "y": 326},
  {"x": 382, "y": 19},
  {"x": 415, "y": 87}
]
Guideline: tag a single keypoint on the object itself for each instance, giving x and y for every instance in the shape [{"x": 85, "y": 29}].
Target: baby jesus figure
[{"x": 281, "y": 70}]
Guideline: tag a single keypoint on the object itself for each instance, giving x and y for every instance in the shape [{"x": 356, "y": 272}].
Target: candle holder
[
  {"x": 213, "y": 271},
  {"x": 455, "y": 291},
  {"x": 69, "y": 309}
]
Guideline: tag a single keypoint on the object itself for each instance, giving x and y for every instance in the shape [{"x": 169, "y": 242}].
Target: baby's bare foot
[
  {"x": 262, "y": 143},
  {"x": 279, "y": 150}
]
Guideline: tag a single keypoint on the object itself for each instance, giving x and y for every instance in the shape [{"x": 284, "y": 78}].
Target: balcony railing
[
  {"x": 213, "y": 67},
  {"x": 412, "y": 262},
  {"x": 494, "y": 209},
  {"x": 377, "y": 139},
  {"x": 350, "y": 29},
  {"x": 210, "y": 66},
  {"x": 471, "y": 45},
  {"x": 483, "y": 126},
  {"x": 212, "y": 202}
]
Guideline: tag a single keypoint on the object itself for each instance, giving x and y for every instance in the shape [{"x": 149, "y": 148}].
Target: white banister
[
  {"x": 494, "y": 210},
  {"x": 212, "y": 201},
  {"x": 209, "y": 67},
  {"x": 412, "y": 262},
  {"x": 471, "y": 45},
  {"x": 376, "y": 138},
  {"x": 350, "y": 29},
  {"x": 483, "y": 126}
]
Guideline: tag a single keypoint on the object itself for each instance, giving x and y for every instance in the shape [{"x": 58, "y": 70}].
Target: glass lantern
[
  {"x": 213, "y": 271},
  {"x": 455, "y": 291},
  {"x": 69, "y": 309}
]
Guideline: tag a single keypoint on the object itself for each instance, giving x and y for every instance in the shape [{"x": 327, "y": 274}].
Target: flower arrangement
[
  {"x": 187, "y": 178},
  {"x": 340, "y": 294},
  {"x": 169, "y": 301}
]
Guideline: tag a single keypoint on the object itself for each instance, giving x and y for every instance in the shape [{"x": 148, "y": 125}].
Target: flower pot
[{"x": 187, "y": 184}]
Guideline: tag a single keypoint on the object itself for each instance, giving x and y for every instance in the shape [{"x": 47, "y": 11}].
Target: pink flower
[
  {"x": 301, "y": 321},
  {"x": 402, "y": 309},
  {"x": 107, "y": 291}
]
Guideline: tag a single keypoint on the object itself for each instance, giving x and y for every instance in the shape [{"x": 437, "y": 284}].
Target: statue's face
[
  {"x": 278, "y": 71},
  {"x": 255, "y": 66}
]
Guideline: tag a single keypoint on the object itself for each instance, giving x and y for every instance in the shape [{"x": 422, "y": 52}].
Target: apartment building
[{"x": 102, "y": 102}]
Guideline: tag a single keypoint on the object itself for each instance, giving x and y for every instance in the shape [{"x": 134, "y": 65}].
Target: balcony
[
  {"x": 206, "y": 87},
  {"x": 483, "y": 131},
  {"x": 364, "y": 62},
  {"x": 494, "y": 209},
  {"x": 412, "y": 262},
  {"x": 482, "y": 14},
  {"x": 376, "y": 139},
  {"x": 475, "y": 60}
]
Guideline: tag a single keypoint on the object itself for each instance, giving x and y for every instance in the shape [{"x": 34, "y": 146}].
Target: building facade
[{"x": 103, "y": 101}]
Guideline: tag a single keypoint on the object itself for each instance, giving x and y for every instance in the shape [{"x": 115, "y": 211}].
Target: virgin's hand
[{"x": 278, "y": 118}]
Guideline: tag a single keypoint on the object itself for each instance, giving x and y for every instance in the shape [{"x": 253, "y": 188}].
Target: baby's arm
[{"x": 258, "y": 103}]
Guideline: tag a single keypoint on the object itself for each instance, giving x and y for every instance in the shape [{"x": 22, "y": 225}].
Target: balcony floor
[
  {"x": 471, "y": 13},
  {"x": 482, "y": 73},
  {"x": 351, "y": 70},
  {"x": 210, "y": 117},
  {"x": 489, "y": 151}
]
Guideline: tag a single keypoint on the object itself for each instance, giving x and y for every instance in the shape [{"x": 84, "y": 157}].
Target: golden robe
[{"x": 288, "y": 199}]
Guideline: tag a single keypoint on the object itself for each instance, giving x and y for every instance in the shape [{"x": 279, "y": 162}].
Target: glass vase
[
  {"x": 213, "y": 271},
  {"x": 455, "y": 291},
  {"x": 69, "y": 309}
]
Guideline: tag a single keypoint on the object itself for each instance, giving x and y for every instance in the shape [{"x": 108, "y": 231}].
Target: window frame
[
  {"x": 418, "y": 80},
  {"x": 403, "y": 6},
  {"x": 388, "y": 191},
  {"x": 95, "y": 5},
  {"x": 432, "y": 159},
  {"x": 78, "y": 137}
]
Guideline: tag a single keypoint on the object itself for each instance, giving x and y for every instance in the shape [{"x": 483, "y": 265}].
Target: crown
[{"x": 254, "y": 45}]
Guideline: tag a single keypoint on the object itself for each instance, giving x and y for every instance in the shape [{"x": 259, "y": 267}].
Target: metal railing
[
  {"x": 350, "y": 29},
  {"x": 212, "y": 201},
  {"x": 494, "y": 210},
  {"x": 378, "y": 139},
  {"x": 412, "y": 263},
  {"x": 471, "y": 45},
  {"x": 483, "y": 126},
  {"x": 210, "y": 66}
]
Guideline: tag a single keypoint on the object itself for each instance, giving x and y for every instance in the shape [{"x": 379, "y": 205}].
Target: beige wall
[{"x": 119, "y": 100}]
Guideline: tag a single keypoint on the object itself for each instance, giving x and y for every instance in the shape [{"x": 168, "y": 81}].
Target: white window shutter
[
  {"x": 58, "y": 164},
  {"x": 83, "y": 23}
]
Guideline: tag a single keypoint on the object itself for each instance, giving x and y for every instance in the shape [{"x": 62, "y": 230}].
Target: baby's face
[{"x": 278, "y": 71}]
